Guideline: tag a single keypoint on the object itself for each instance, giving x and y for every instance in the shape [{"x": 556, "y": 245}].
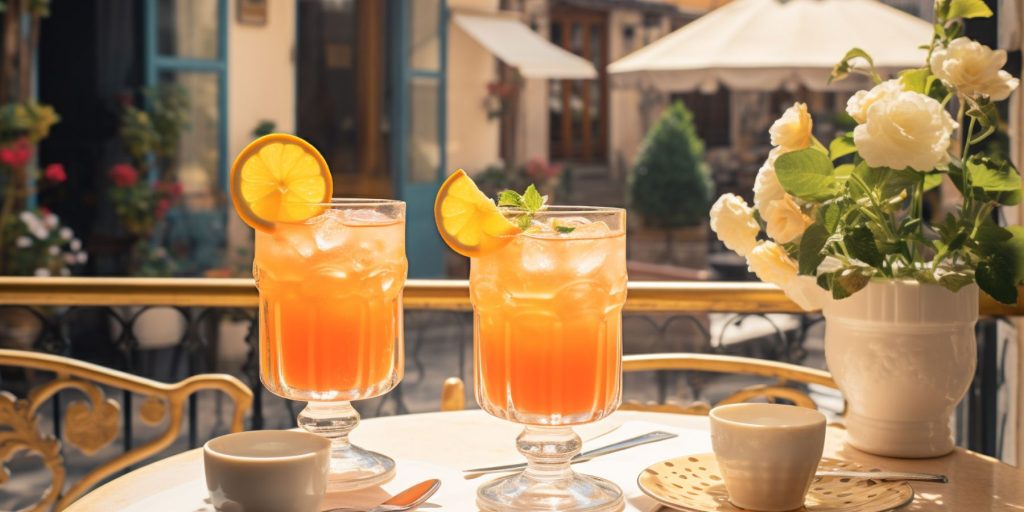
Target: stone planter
[{"x": 904, "y": 355}]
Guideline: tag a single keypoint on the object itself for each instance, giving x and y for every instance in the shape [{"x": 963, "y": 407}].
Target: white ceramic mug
[
  {"x": 768, "y": 453},
  {"x": 267, "y": 471}
]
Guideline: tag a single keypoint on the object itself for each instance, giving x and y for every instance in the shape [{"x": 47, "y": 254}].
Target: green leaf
[
  {"x": 999, "y": 180},
  {"x": 886, "y": 183},
  {"x": 807, "y": 174},
  {"x": 524, "y": 221},
  {"x": 844, "y": 171},
  {"x": 842, "y": 69},
  {"x": 510, "y": 198},
  {"x": 532, "y": 200},
  {"x": 954, "y": 281},
  {"x": 968, "y": 9},
  {"x": 916, "y": 79},
  {"x": 811, "y": 244},
  {"x": 932, "y": 180},
  {"x": 842, "y": 146},
  {"x": 992, "y": 280},
  {"x": 846, "y": 281},
  {"x": 829, "y": 215},
  {"x": 565, "y": 229},
  {"x": 861, "y": 244},
  {"x": 989, "y": 235}
]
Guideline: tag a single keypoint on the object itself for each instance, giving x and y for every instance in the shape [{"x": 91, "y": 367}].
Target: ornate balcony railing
[{"x": 660, "y": 317}]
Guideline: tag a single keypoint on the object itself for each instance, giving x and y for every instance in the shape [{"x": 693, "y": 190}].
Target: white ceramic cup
[
  {"x": 267, "y": 471},
  {"x": 768, "y": 453}
]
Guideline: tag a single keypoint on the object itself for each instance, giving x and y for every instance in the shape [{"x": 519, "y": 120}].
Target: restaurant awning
[
  {"x": 518, "y": 46},
  {"x": 764, "y": 45}
]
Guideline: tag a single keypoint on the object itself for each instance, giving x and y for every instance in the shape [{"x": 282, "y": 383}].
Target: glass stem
[
  {"x": 333, "y": 420},
  {"x": 548, "y": 451}
]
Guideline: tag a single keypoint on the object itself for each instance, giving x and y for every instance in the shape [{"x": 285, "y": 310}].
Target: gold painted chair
[
  {"x": 453, "y": 392},
  {"x": 93, "y": 424}
]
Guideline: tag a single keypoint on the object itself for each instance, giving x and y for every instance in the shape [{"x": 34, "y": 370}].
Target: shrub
[{"x": 670, "y": 184}]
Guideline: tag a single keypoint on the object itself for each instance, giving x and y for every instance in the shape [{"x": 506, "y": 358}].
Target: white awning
[{"x": 518, "y": 46}]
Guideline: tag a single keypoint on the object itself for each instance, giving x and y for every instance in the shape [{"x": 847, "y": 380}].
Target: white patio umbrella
[{"x": 764, "y": 45}]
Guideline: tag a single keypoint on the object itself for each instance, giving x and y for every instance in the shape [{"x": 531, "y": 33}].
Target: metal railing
[{"x": 419, "y": 294}]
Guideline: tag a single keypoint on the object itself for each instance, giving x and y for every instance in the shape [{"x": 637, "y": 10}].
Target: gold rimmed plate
[{"x": 694, "y": 483}]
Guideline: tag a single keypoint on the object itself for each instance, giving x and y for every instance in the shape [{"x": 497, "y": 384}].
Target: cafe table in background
[{"x": 441, "y": 445}]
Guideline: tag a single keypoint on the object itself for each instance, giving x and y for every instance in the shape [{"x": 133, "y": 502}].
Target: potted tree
[{"x": 671, "y": 165}]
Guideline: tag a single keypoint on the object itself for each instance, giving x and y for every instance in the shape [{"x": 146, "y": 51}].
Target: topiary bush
[{"x": 670, "y": 186}]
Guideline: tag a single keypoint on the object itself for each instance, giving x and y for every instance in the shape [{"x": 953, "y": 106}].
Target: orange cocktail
[
  {"x": 548, "y": 315},
  {"x": 330, "y": 303}
]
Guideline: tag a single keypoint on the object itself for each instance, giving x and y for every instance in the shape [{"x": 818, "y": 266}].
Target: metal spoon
[
  {"x": 405, "y": 500},
  {"x": 649, "y": 437},
  {"x": 886, "y": 475}
]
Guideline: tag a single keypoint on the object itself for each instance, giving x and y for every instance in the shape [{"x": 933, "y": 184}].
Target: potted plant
[
  {"x": 846, "y": 232},
  {"x": 672, "y": 160}
]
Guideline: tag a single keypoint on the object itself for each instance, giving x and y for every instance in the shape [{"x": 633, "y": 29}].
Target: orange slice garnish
[
  {"x": 279, "y": 178},
  {"x": 469, "y": 222}
]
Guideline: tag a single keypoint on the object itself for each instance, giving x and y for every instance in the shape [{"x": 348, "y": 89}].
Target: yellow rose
[
  {"x": 858, "y": 104},
  {"x": 785, "y": 221},
  {"x": 766, "y": 186},
  {"x": 771, "y": 264},
  {"x": 973, "y": 69},
  {"x": 733, "y": 221},
  {"x": 792, "y": 131},
  {"x": 908, "y": 129}
]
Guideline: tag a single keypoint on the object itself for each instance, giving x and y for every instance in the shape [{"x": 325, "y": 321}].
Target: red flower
[
  {"x": 124, "y": 175},
  {"x": 55, "y": 173},
  {"x": 537, "y": 168},
  {"x": 17, "y": 153},
  {"x": 161, "y": 208}
]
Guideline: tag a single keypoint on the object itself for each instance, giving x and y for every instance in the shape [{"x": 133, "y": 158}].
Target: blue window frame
[{"x": 198, "y": 65}]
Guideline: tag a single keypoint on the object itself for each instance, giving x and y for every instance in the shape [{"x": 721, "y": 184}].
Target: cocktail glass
[
  {"x": 331, "y": 322},
  {"x": 548, "y": 350}
]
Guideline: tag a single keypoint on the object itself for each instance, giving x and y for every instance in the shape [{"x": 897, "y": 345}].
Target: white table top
[{"x": 439, "y": 445}]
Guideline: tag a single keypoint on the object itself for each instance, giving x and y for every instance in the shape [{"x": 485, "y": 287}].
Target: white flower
[
  {"x": 805, "y": 292},
  {"x": 51, "y": 220},
  {"x": 973, "y": 69},
  {"x": 42, "y": 272},
  {"x": 766, "y": 186},
  {"x": 69, "y": 258},
  {"x": 81, "y": 257},
  {"x": 53, "y": 250},
  {"x": 66, "y": 233},
  {"x": 31, "y": 221},
  {"x": 907, "y": 130},
  {"x": 792, "y": 131},
  {"x": 39, "y": 231},
  {"x": 771, "y": 264},
  {"x": 857, "y": 105},
  {"x": 75, "y": 244},
  {"x": 733, "y": 221},
  {"x": 23, "y": 242},
  {"x": 784, "y": 220}
]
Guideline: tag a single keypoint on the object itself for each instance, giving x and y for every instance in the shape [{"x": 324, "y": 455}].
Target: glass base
[
  {"x": 519, "y": 493},
  {"x": 354, "y": 468},
  {"x": 548, "y": 482}
]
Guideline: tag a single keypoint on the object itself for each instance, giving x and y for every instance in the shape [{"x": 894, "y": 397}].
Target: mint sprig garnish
[
  {"x": 565, "y": 229},
  {"x": 529, "y": 201}
]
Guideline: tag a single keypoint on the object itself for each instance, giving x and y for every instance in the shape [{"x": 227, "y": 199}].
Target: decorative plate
[{"x": 694, "y": 483}]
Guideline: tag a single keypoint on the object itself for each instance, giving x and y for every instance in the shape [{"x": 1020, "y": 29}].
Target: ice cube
[
  {"x": 299, "y": 238},
  {"x": 591, "y": 230},
  {"x": 537, "y": 256},
  {"x": 363, "y": 217},
  {"x": 330, "y": 231}
]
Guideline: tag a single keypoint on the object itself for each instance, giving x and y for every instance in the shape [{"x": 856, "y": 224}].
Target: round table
[{"x": 439, "y": 445}]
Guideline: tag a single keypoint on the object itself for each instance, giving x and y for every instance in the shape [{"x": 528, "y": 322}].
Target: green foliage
[
  {"x": 807, "y": 174},
  {"x": 28, "y": 119},
  {"x": 671, "y": 166},
  {"x": 529, "y": 201},
  {"x": 155, "y": 132}
]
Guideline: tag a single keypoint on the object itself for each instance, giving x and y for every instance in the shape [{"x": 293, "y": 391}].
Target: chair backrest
[
  {"x": 785, "y": 374},
  {"x": 94, "y": 423}
]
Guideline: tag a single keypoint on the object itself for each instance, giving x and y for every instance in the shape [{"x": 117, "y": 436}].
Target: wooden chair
[
  {"x": 94, "y": 423},
  {"x": 453, "y": 392}
]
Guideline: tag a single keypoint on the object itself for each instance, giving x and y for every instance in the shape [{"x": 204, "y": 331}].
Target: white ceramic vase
[{"x": 903, "y": 354}]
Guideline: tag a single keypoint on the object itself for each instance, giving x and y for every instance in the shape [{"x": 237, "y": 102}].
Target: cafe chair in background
[
  {"x": 91, "y": 421},
  {"x": 790, "y": 381}
]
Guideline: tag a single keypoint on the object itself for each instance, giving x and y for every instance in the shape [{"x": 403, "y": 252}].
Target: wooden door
[{"x": 579, "y": 108}]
